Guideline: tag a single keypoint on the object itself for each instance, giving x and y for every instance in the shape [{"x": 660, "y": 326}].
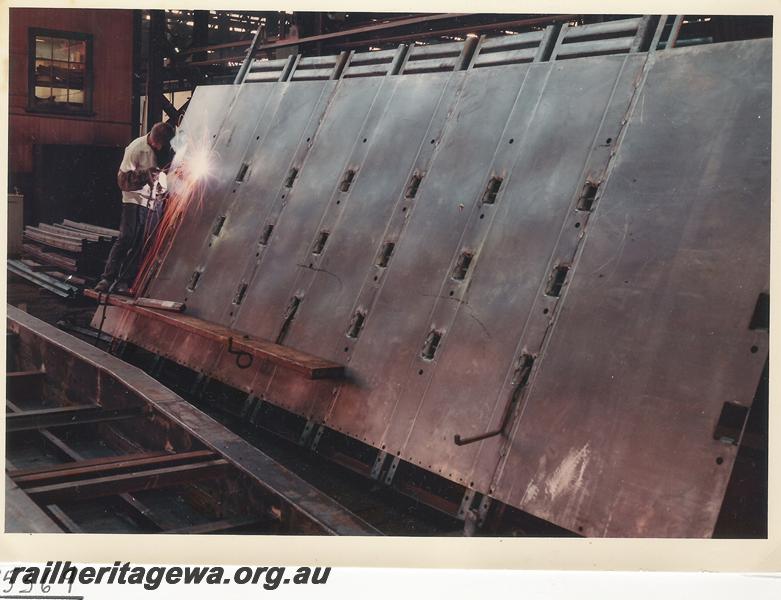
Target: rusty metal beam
[
  {"x": 114, "y": 485},
  {"x": 334, "y": 35},
  {"x": 243, "y": 346},
  {"x": 64, "y": 417},
  {"x": 410, "y": 36},
  {"x": 305, "y": 508},
  {"x": 517, "y": 23},
  {"x": 104, "y": 467}
]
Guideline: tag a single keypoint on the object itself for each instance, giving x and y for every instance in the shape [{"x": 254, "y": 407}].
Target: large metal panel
[
  {"x": 225, "y": 147},
  {"x": 512, "y": 241},
  {"x": 388, "y": 353},
  {"x": 276, "y": 277},
  {"x": 617, "y": 436},
  {"x": 282, "y": 140},
  {"x": 344, "y": 278},
  {"x": 634, "y": 354}
]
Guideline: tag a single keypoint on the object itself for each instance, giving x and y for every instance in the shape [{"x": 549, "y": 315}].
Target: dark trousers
[{"x": 122, "y": 263}]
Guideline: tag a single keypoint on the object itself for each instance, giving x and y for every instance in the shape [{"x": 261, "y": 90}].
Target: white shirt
[{"x": 139, "y": 155}]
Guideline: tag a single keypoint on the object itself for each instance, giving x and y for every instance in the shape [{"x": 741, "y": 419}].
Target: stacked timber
[{"x": 70, "y": 252}]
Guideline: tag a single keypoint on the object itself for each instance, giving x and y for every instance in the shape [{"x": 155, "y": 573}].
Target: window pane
[
  {"x": 76, "y": 76},
  {"x": 43, "y": 71},
  {"x": 43, "y": 93},
  {"x": 60, "y": 95},
  {"x": 76, "y": 97},
  {"x": 59, "y": 73},
  {"x": 60, "y": 51},
  {"x": 78, "y": 51},
  {"x": 43, "y": 47}
]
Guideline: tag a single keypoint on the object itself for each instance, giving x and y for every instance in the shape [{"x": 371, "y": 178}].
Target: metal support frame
[{"x": 154, "y": 70}]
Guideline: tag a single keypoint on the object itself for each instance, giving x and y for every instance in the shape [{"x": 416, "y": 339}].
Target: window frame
[{"x": 32, "y": 106}]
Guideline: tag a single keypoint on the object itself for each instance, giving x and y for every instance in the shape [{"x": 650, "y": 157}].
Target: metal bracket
[
  {"x": 466, "y": 502},
  {"x": 253, "y": 417},
  {"x": 249, "y": 407},
  {"x": 199, "y": 385},
  {"x": 482, "y": 511},
  {"x": 473, "y": 517},
  {"x": 117, "y": 347},
  {"x": 306, "y": 433},
  {"x": 392, "y": 470},
  {"x": 157, "y": 366},
  {"x": 318, "y": 436},
  {"x": 378, "y": 464}
]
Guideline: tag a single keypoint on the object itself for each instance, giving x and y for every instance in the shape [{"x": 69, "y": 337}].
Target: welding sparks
[
  {"x": 198, "y": 164},
  {"x": 187, "y": 185},
  {"x": 194, "y": 158}
]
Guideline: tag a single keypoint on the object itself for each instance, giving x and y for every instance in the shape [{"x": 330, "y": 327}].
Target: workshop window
[{"x": 60, "y": 73}]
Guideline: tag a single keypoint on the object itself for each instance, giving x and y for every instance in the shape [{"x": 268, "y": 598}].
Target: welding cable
[
  {"x": 103, "y": 315},
  {"x": 124, "y": 265}
]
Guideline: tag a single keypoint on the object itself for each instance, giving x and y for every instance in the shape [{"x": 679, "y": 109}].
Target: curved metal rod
[{"x": 240, "y": 354}]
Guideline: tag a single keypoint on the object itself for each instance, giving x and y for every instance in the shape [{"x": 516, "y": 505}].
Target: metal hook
[{"x": 240, "y": 354}]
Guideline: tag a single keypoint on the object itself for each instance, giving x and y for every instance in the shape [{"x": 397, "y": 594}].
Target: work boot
[
  {"x": 121, "y": 288},
  {"x": 102, "y": 286}
]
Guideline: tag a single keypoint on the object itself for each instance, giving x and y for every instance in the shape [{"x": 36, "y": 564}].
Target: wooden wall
[{"x": 112, "y": 32}]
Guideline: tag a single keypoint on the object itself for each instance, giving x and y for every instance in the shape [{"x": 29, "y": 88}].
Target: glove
[{"x": 130, "y": 181}]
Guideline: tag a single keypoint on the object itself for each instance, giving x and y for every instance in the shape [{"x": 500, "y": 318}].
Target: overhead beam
[
  {"x": 407, "y": 36},
  {"x": 335, "y": 35},
  {"x": 460, "y": 30},
  {"x": 154, "y": 68}
]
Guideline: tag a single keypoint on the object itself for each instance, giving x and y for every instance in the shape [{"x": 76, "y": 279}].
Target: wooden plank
[
  {"x": 69, "y": 233},
  {"x": 105, "y": 468},
  {"x": 64, "y": 262},
  {"x": 94, "y": 228},
  {"x": 153, "y": 479},
  {"x": 54, "y": 240},
  {"x": 92, "y": 235},
  {"x": 283, "y": 356},
  {"x": 64, "y": 416},
  {"x": 140, "y": 302}
]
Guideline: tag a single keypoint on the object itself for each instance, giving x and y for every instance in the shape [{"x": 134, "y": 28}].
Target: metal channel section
[
  {"x": 76, "y": 366},
  {"x": 548, "y": 244}
]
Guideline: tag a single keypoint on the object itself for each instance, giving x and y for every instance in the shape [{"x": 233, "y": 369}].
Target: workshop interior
[{"x": 388, "y": 274}]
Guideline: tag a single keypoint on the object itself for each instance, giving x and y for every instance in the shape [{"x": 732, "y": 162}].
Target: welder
[{"x": 144, "y": 159}]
